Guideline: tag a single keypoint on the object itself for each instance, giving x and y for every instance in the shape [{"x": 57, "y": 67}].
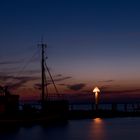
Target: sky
[{"x": 89, "y": 43}]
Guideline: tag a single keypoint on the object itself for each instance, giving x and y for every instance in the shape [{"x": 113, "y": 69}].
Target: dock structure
[
  {"x": 124, "y": 107},
  {"x": 9, "y": 103}
]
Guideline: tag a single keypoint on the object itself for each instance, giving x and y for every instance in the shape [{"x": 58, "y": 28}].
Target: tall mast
[
  {"x": 43, "y": 76},
  {"x": 43, "y": 46}
]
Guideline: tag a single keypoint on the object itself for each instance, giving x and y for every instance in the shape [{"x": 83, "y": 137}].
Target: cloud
[
  {"x": 131, "y": 91},
  {"x": 9, "y": 62},
  {"x": 39, "y": 86},
  {"x": 86, "y": 91},
  {"x": 16, "y": 85},
  {"x": 62, "y": 84},
  {"x": 58, "y": 78},
  {"x": 13, "y": 82},
  {"x": 58, "y": 75},
  {"x": 76, "y": 87},
  {"x": 32, "y": 72},
  {"x": 49, "y": 81},
  {"x": 107, "y": 81},
  {"x": 6, "y": 77},
  {"x": 62, "y": 78},
  {"x": 105, "y": 87},
  {"x": 12, "y": 62}
]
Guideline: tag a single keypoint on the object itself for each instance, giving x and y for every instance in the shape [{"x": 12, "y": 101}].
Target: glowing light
[{"x": 96, "y": 90}]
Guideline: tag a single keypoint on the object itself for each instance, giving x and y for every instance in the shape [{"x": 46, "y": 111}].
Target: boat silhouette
[{"x": 51, "y": 110}]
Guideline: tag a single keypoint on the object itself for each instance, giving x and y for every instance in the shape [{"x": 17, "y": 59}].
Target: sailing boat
[
  {"x": 51, "y": 110},
  {"x": 58, "y": 106}
]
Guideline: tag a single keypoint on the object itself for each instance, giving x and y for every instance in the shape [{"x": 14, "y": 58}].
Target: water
[{"x": 92, "y": 129}]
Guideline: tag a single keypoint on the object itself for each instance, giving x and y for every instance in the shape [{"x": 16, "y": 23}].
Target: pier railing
[{"x": 124, "y": 107}]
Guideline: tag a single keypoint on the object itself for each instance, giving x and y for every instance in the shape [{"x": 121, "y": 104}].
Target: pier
[{"x": 88, "y": 110}]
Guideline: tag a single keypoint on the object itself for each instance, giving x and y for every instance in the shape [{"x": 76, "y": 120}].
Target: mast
[
  {"x": 43, "y": 46},
  {"x": 43, "y": 76}
]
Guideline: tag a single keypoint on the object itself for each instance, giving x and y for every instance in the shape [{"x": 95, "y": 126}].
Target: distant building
[{"x": 8, "y": 103}]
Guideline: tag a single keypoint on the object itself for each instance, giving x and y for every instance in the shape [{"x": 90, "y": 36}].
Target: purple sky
[{"x": 90, "y": 43}]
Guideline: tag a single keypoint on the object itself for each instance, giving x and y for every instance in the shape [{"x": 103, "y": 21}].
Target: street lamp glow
[{"x": 96, "y": 90}]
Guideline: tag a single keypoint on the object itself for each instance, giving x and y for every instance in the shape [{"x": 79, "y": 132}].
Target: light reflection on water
[
  {"x": 94, "y": 129},
  {"x": 97, "y": 130}
]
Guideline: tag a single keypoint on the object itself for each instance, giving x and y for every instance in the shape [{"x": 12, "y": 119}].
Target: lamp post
[{"x": 96, "y": 90}]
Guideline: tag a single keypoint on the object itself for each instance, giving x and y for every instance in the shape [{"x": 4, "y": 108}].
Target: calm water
[{"x": 96, "y": 129}]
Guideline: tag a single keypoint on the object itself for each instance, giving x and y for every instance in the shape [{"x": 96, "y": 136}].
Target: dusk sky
[{"x": 90, "y": 43}]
